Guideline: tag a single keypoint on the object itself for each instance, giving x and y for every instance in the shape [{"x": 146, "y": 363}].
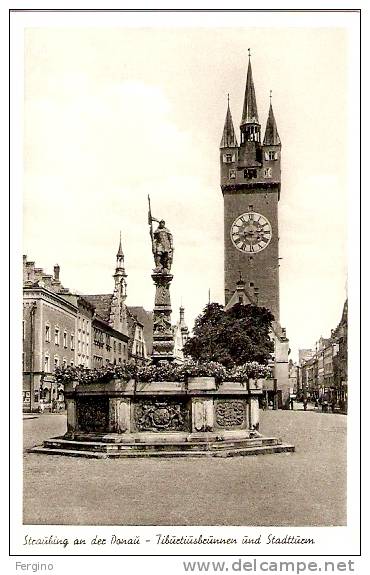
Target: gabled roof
[{"x": 102, "y": 304}]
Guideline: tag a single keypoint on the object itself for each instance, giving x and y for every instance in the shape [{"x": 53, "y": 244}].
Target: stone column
[
  {"x": 202, "y": 415},
  {"x": 72, "y": 424},
  {"x": 119, "y": 415},
  {"x": 163, "y": 343}
]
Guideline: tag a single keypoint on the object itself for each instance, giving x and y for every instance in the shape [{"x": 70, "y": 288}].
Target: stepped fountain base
[{"x": 163, "y": 419}]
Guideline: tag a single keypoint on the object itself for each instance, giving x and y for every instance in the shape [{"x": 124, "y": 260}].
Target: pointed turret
[
  {"x": 228, "y": 139},
  {"x": 250, "y": 114},
  {"x": 250, "y": 129},
  {"x": 118, "y": 315},
  {"x": 120, "y": 260},
  {"x": 272, "y": 137},
  {"x": 120, "y": 252}
]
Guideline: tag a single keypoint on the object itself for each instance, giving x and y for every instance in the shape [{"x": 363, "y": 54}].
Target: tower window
[
  {"x": 272, "y": 155},
  {"x": 267, "y": 173},
  {"x": 250, "y": 173},
  {"x": 229, "y": 158},
  {"x": 232, "y": 174},
  {"x": 250, "y": 208}
]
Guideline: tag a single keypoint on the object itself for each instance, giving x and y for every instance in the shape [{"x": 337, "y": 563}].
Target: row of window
[
  {"x": 98, "y": 361},
  {"x": 250, "y": 173},
  {"x": 83, "y": 325},
  {"x": 83, "y": 360},
  {"x": 119, "y": 347},
  {"x": 57, "y": 363},
  {"x": 139, "y": 349},
  {"x": 57, "y": 336},
  {"x": 83, "y": 347},
  {"x": 271, "y": 155}
]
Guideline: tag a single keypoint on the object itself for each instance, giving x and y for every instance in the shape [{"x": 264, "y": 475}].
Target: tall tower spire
[
  {"x": 118, "y": 316},
  {"x": 250, "y": 129},
  {"x": 120, "y": 252},
  {"x": 228, "y": 139},
  {"x": 120, "y": 259},
  {"x": 250, "y": 113}
]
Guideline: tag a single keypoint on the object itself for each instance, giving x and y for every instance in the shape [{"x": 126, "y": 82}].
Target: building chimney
[{"x": 56, "y": 272}]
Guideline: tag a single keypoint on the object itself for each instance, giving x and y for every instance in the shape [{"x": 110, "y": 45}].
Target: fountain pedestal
[
  {"x": 128, "y": 419},
  {"x": 163, "y": 342}
]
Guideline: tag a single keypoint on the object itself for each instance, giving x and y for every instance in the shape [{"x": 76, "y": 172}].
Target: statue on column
[{"x": 162, "y": 244}]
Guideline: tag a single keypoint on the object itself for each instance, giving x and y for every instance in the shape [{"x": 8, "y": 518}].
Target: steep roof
[
  {"x": 250, "y": 113},
  {"x": 102, "y": 304},
  {"x": 228, "y": 139},
  {"x": 272, "y": 137}
]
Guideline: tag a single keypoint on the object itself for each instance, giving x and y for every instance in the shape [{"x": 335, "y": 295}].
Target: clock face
[{"x": 251, "y": 232}]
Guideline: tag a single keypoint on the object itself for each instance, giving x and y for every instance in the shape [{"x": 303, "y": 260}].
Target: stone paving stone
[{"x": 307, "y": 487}]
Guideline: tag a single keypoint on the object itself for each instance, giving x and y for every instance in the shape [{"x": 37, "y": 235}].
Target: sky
[{"x": 114, "y": 114}]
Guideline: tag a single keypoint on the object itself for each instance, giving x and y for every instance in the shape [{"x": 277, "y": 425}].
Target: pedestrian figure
[
  {"x": 305, "y": 404},
  {"x": 291, "y": 403},
  {"x": 333, "y": 406}
]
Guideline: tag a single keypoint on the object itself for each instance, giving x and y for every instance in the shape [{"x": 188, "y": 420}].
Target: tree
[{"x": 231, "y": 337}]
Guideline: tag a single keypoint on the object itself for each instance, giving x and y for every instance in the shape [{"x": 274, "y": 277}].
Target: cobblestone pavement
[{"x": 307, "y": 487}]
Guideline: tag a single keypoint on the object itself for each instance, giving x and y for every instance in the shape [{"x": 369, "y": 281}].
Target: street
[{"x": 307, "y": 487}]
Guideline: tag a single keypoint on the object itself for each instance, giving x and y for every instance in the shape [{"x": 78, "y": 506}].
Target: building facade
[
  {"x": 49, "y": 328},
  {"x": 61, "y": 328},
  {"x": 250, "y": 184},
  {"x": 322, "y": 373}
]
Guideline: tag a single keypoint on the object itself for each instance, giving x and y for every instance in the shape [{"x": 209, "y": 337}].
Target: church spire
[
  {"x": 228, "y": 139},
  {"x": 118, "y": 315},
  {"x": 250, "y": 114},
  {"x": 120, "y": 252},
  {"x": 120, "y": 260},
  {"x": 272, "y": 137}
]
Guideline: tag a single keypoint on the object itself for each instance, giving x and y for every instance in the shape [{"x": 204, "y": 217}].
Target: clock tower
[{"x": 250, "y": 184}]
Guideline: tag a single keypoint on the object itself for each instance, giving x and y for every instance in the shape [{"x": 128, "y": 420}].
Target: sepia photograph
[{"x": 185, "y": 181}]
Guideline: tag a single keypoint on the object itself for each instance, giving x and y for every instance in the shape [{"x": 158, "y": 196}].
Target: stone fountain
[{"x": 198, "y": 417}]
